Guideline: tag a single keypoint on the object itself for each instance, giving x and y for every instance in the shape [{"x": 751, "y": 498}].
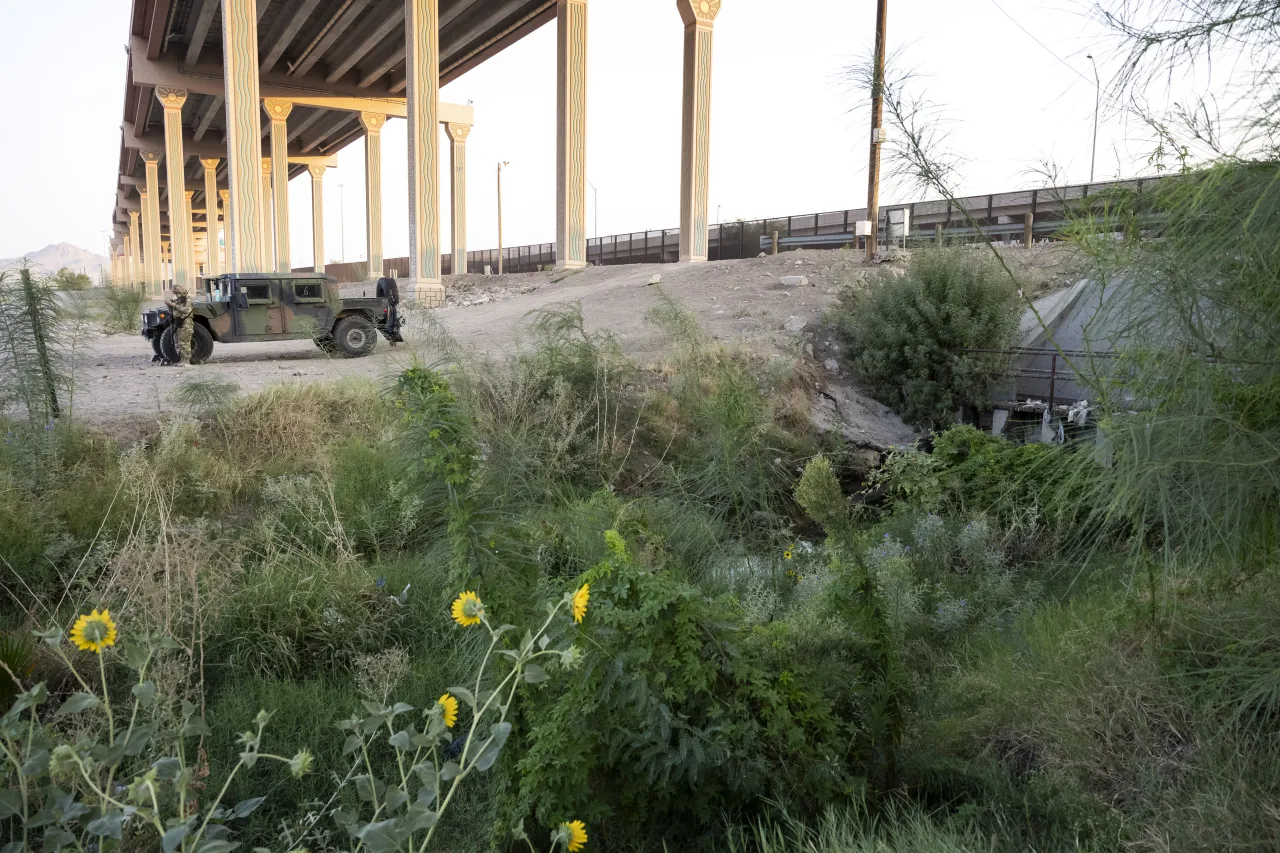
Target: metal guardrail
[{"x": 745, "y": 238}]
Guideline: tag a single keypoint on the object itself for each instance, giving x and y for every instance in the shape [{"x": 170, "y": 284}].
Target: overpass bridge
[{"x": 225, "y": 100}]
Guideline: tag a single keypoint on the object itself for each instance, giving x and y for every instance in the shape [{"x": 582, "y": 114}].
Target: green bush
[
  {"x": 678, "y": 715},
  {"x": 911, "y": 338},
  {"x": 67, "y": 279},
  {"x": 122, "y": 308}
]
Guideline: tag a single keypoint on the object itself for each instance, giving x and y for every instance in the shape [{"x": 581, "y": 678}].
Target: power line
[
  {"x": 1050, "y": 51},
  {"x": 1046, "y": 47}
]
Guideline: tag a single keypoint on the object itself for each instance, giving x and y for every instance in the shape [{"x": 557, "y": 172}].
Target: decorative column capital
[
  {"x": 373, "y": 122},
  {"x": 457, "y": 131},
  {"x": 210, "y": 163},
  {"x": 266, "y": 167},
  {"x": 133, "y": 217},
  {"x": 150, "y": 157},
  {"x": 277, "y": 109},
  {"x": 188, "y": 194},
  {"x": 316, "y": 170},
  {"x": 225, "y": 195},
  {"x": 698, "y": 13},
  {"x": 171, "y": 99}
]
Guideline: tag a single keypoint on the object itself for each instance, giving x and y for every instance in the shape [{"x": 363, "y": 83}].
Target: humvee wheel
[
  {"x": 201, "y": 345},
  {"x": 155, "y": 345},
  {"x": 354, "y": 336},
  {"x": 326, "y": 344}
]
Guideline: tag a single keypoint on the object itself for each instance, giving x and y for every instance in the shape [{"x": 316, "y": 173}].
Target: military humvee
[{"x": 240, "y": 307}]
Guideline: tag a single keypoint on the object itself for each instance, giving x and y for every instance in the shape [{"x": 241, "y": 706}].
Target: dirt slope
[{"x": 743, "y": 302}]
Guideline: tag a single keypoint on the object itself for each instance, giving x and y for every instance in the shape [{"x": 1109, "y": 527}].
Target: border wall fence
[{"x": 1013, "y": 217}]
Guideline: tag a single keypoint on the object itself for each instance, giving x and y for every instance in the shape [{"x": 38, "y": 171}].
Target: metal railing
[{"x": 929, "y": 221}]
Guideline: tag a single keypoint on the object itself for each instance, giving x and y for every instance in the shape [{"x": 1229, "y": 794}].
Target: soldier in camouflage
[{"x": 184, "y": 327}]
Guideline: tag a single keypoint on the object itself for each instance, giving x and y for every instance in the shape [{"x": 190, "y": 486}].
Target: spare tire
[
  {"x": 355, "y": 336},
  {"x": 388, "y": 290}
]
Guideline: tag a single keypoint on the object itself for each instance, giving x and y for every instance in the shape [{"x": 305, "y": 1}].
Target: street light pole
[
  {"x": 1097, "y": 106},
  {"x": 877, "y": 127},
  {"x": 500, "y": 165}
]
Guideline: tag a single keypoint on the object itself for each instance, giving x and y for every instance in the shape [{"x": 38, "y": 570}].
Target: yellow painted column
[
  {"x": 458, "y": 134},
  {"x": 422, "y": 68},
  {"x": 211, "y": 267},
  {"x": 151, "y": 223},
  {"x": 373, "y": 123},
  {"x": 317, "y": 215},
  {"x": 267, "y": 226},
  {"x": 278, "y": 110},
  {"x": 245, "y": 249},
  {"x": 175, "y": 171},
  {"x": 166, "y": 275},
  {"x": 224, "y": 249},
  {"x": 191, "y": 238},
  {"x": 135, "y": 263},
  {"x": 695, "y": 134},
  {"x": 571, "y": 134}
]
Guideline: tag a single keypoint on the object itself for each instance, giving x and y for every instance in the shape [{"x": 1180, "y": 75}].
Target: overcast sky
[{"x": 788, "y": 135}]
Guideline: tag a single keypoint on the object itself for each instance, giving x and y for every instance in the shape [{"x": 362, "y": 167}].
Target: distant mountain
[{"x": 55, "y": 256}]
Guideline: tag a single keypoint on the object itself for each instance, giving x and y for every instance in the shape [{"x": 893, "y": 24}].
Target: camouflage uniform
[{"x": 184, "y": 327}]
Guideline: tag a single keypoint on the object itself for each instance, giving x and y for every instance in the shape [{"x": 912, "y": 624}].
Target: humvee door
[
  {"x": 307, "y": 312},
  {"x": 261, "y": 301}
]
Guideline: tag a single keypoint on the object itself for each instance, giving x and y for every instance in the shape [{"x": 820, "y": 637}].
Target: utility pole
[
  {"x": 1097, "y": 107},
  {"x": 877, "y": 128},
  {"x": 500, "y": 165}
]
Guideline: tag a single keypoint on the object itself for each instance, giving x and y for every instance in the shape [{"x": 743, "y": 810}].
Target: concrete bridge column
[
  {"x": 695, "y": 151},
  {"x": 266, "y": 227},
  {"x": 422, "y": 91},
  {"x": 151, "y": 222},
  {"x": 458, "y": 134},
  {"x": 317, "y": 215},
  {"x": 224, "y": 250},
  {"x": 245, "y": 248},
  {"x": 191, "y": 238},
  {"x": 279, "y": 111},
  {"x": 150, "y": 249},
  {"x": 571, "y": 134},
  {"x": 373, "y": 123},
  {"x": 175, "y": 163},
  {"x": 135, "y": 263},
  {"x": 211, "y": 266},
  {"x": 166, "y": 267}
]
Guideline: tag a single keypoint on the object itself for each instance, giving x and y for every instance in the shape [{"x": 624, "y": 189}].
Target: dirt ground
[{"x": 742, "y": 302}]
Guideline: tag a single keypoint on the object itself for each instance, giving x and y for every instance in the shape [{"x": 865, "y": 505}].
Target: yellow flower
[
  {"x": 576, "y": 832},
  {"x": 786, "y": 555},
  {"x": 449, "y": 708},
  {"x": 468, "y": 609},
  {"x": 580, "y": 599},
  {"x": 94, "y": 632}
]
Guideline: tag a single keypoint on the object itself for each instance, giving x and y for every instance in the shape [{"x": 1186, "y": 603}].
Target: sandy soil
[{"x": 741, "y": 301}]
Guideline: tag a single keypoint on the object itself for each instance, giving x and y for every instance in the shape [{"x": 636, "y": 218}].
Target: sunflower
[
  {"x": 94, "y": 632},
  {"x": 786, "y": 555},
  {"x": 449, "y": 708},
  {"x": 580, "y": 599},
  {"x": 576, "y": 833},
  {"x": 468, "y": 609}
]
